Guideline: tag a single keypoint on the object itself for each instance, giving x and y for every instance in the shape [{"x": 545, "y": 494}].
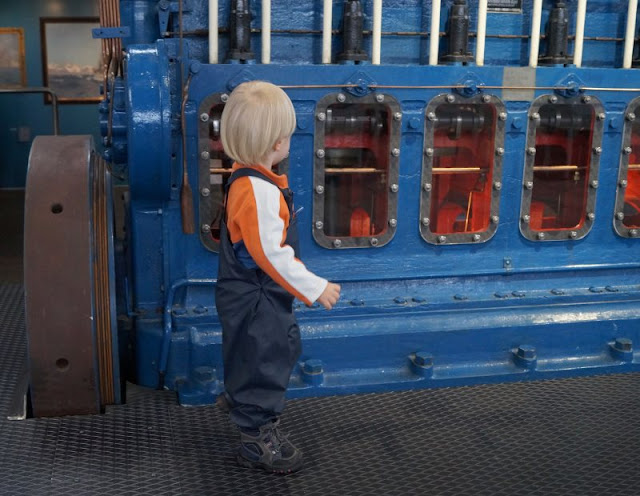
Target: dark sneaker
[{"x": 269, "y": 450}]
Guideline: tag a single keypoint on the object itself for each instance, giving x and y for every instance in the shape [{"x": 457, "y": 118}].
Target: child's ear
[{"x": 278, "y": 145}]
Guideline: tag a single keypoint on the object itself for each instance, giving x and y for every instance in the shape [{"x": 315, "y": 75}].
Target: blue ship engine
[{"x": 469, "y": 172}]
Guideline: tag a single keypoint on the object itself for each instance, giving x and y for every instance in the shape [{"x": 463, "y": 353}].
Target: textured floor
[{"x": 565, "y": 437}]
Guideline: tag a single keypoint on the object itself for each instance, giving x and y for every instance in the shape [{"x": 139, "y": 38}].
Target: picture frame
[
  {"x": 71, "y": 58},
  {"x": 13, "y": 73}
]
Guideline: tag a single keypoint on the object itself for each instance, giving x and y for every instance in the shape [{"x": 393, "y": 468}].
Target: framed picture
[
  {"x": 13, "y": 72},
  {"x": 71, "y": 58}
]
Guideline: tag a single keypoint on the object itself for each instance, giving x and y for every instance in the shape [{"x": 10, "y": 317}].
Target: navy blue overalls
[{"x": 260, "y": 335}]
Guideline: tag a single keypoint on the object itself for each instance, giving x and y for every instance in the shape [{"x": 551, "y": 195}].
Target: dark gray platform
[{"x": 564, "y": 437}]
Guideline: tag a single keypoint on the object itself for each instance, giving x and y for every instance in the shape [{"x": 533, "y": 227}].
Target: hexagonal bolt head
[
  {"x": 531, "y": 150},
  {"x": 319, "y": 189},
  {"x": 395, "y": 152},
  {"x": 319, "y": 224},
  {"x": 394, "y": 188},
  {"x": 630, "y": 116},
  {"x": 337, "y": 243},
  {"x": 397, "y": 116},
  {"x": 535, "y": 116},
  {"x": 205, "y": 191},
  {"x": 620, "y": 215},
  {"x": 486, "y": 98},
  {"x": 602, "y": 116},
  {"x": 450, "y": 98},
  {"x": 224, "y": 97},
  {"x": 204, "y": 117},
  {"x": 321, "y": 116},
  {"x": 425, "y": 221},
  {"x": 553, "y": 99},
  {"x": 526, "y": 352},
  {"x": 205, "y": 155},
  {"x": 442, "y": 239},
  {"x": 594, "y": 184},
  {"x": 495, "y": 219},
  {"x": 423, "y": 359},
  {"x": 341, "y": 98},
  {"x": 623, "y": 183},
  {"x": 374, "y": 241},
  {"x": 591, "y": 216},
  {"x": 623, "y": 344},
  {"x": 426, "y": 186},
  {"x": 627, "y": 150},
  {"x": 497, "y": 185},
  {"x": 393, "y": 222},
  {"x": 320, "y": 153},
  {"x": 476, "y": 237},
  {"x": 205, "y": 228},
  {"x": 313, "y": 366},
  {"x": 431, "y": 116},
  {"x": 379, "y": 98},
  {"x": 528, "y": 185},
  {"x": 633, "y": 233},
  {"x": 429, "y": 152},
  {"x": 540, "y": 235},
  {"x": 597, "y": 150},
  {"x": 502, "y": 116},
  {"x": 586, "y": 99},
  {"x": 573, "y": 234}
]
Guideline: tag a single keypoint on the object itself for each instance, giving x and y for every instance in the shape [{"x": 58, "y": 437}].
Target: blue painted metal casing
[{"x": 412, "y": 314}]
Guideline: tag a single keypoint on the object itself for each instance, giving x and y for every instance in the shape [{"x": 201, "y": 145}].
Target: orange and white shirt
[{"x": 258, "y": 216}]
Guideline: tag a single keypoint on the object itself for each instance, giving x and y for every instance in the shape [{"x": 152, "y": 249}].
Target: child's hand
[{"x": 329, "y": 296}]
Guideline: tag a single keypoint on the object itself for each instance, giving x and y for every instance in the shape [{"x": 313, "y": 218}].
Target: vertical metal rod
[
  {"x": 630, "y": 34},
  {"x": 434, "y": 44},
  {"x": 213, "y": 31},
  {"x": 579, "y": 43},
  {"x": 266, "y": 31},
  {"x": 482, "y": 32},
  {"x": 535, "y": 33},
  {"x": 376, "y": 32},
  {"x": 326, "y": 31}
]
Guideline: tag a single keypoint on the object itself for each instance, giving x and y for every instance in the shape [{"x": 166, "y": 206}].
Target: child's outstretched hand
[{"x": 329, "y": 296}]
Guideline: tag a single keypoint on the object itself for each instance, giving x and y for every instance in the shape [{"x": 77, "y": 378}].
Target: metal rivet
[
  {"x": 431, "y": 116},
  {"x": 631, "y": 116},
  {"x": 623, "y": 183},
  {"x": 341, "y": 98},
  {"x": 395, "y": 152},
  {"x": 379, "y": 98},
  {"x": 500, "y": 152},
  {"x": 319, "y": 189},
  {"x": 486, "y": 98},
  {"x": 204, "y": 155},
  {"x": 528, "y": 185},
  {"x": 586, "y": 99},
  {"x": 393, "y": 222},
  {"x": 374, "y": 241},
  {"x": 495, "y": 219},
  {"x": 321, "y": 116},
  {"x": 320, "y": 153},
  {"x": 497, "y": 185},
  {"x": 476, "y": 237},
  {"x": 319, "y": 224},
  {"x": 429, "y": 152},
  {"x": 531, "y": 150},
  {"x": 526, "y": 219},
  {"x": 594, "y": 184},
  {"x": 535, "y": 116},
  {"x": 502, "y": 116},
  {"x": 442, "y": 239},
  {"x": 397, "y": 116},
  {"x": 425, "y": 221},
  {"x": 620, "y": 215},
  {"x": 591, "y": 216},
  {"x": 626, "y": 150},
  {"x": 337, "y": 243},
  {"x": 205, "y": 228},
  {"x": 633, "y": 233},
  {"x": 426, "y": 186},
  {"x": 204, "y": 117},
  {"x": 573, "y": 234},
  {"x": 205, "y": 191},
  {"x": 450, "y": 98},
  {"x": 597, "y": 150},
  {"x": 394, "y": 188},
  {"x": 540, "y": 235},
  {"x": 553, "y": 99},
  {"x": 602, "y": 116},
  {"x": 224, "y": 97}
]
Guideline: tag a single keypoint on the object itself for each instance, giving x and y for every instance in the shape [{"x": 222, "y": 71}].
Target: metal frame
[
  {"x": 204, "y": 184},
  {"x": 427, "y": 167},
  {"x": 19, "y": 32},
  {"x": 594, "y": 168},
  {"x": 618, "y": 217},
  {"x": 319, "y": 167}
]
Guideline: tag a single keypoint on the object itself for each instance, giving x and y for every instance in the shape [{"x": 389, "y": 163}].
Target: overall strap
[{"x": 246, "y": 171}]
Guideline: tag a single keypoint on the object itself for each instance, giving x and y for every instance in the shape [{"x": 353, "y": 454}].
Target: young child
[{"x": 260, "y": 274}]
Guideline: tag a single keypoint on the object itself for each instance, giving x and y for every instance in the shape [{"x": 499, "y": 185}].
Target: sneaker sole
[{"x": 243, "y": 462}]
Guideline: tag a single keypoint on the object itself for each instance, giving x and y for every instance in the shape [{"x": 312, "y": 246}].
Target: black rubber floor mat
[{"x": 563, "y": 437}]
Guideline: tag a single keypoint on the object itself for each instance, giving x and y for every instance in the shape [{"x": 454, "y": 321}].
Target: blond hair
[{"x": 255, "y": 117}]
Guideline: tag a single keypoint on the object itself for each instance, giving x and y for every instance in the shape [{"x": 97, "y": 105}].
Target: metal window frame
[
  {"x": 594, "y": 168},
  {"x": 204, "y": 199},
  {"x": 623, "y": 173},
  {"x": 395, "y": 114},
  {"x": 427, "y": 168}
]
